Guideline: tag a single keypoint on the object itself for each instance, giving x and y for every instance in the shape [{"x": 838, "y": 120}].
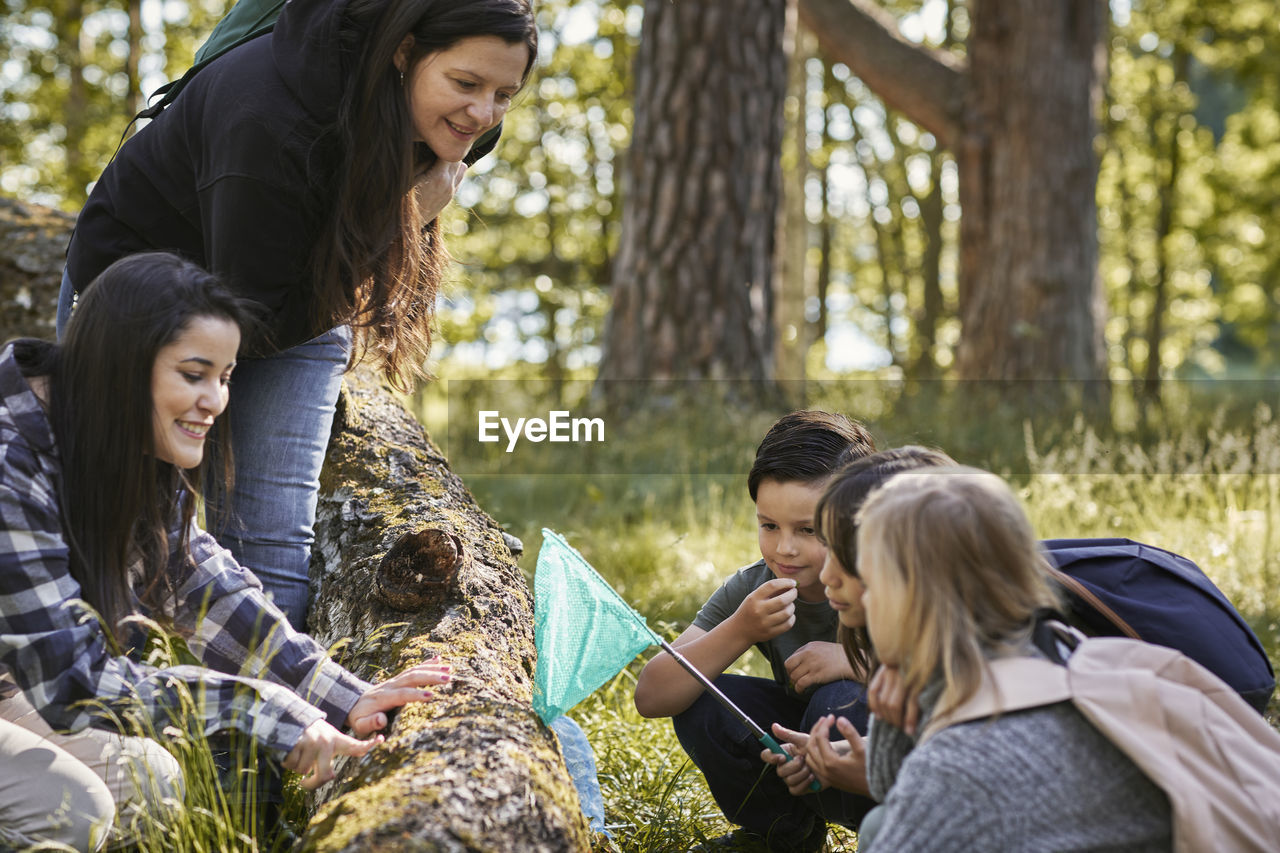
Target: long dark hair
[
  {"x": 836, "y": 520},
  {"x": 379, "y": 265},
  {"x": 118, "y": 501}
]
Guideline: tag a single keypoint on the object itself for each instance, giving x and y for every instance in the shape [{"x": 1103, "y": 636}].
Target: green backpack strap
[{"x": 247, "y": 20}]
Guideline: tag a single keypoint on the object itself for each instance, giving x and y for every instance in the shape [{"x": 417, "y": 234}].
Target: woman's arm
[
  {"x": 59, "y": 655},
  {"x": 230, "y": 626}
]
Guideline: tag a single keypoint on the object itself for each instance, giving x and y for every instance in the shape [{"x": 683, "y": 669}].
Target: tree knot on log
[{"x": 419, "y": 568}]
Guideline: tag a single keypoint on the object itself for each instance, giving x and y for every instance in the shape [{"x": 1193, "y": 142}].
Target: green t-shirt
[{"x": 815, "y": 620}]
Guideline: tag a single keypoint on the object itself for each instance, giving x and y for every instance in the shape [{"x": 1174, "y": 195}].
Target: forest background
[{"x": 781, "y": 192}]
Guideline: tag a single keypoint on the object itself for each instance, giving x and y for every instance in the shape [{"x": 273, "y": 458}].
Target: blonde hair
[{"x": 956, "y": 548}]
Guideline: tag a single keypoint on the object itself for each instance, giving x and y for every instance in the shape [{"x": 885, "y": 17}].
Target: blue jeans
[
  {"x": 747, "y": 790},
  {"x": 280, "y": 415},
  {"x": 66, "y": 298}
]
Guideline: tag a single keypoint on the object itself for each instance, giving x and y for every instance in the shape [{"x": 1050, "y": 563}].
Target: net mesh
[{"x": 584, "y": 631}]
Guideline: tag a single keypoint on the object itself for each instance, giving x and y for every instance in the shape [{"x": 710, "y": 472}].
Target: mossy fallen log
[{"x": 407, "y": 566}]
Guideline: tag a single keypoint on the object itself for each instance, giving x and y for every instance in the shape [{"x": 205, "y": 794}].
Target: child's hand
[
  {"x": 842, "y": 764},
  {"x": 313, "y": 755},
  {"x": 817, "y": 663},
  {"x": 888, "y": 700},
  {"x": 794, "y": 773},
  {"x": 768, "y": 611}
]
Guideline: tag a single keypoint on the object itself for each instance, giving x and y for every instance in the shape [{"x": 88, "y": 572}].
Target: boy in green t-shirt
[{"x": 777, "y": 605}]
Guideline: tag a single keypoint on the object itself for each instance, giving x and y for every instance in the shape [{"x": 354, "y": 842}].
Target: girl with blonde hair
[{"x": 953, "y": 578}]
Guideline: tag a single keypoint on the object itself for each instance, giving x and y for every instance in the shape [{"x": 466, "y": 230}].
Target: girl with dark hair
[
  {"x": 842, "y": 763},
  {"x": 307, "y": 169},
  {"x": 101, "y": 439}
]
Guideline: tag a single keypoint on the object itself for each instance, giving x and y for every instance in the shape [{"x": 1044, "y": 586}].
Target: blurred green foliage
[{"x": 1189, "y": 179}]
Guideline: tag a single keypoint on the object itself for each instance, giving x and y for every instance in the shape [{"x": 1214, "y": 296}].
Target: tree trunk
[
  {"x": 926, "y": 362},
  {"x": 77, "y": 109},
  {"x": 871, "y": 171},
  {"x": 693, "y": 280},
  {"x": 133, "y": 81},
  {"x": 1019, "y": 119},
  {"x": 827, "y": 225},
  {"x": 405, "y": 565},
  {"x": 1030, "y": 294},
  {"x": 791, "y": 278},
  {"x": 1164, "y": 227},
  {"x": 931, "y": 217}
]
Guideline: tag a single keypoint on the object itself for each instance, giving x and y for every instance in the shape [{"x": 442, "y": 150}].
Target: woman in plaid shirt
[{"x": 101, "y": 440}]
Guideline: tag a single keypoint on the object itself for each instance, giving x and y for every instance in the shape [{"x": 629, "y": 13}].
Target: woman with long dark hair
[
  {"x": 307, "y": 169},
  {"x": 102, "y": 439}
]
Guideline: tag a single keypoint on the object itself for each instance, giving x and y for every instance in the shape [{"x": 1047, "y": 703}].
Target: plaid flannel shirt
[{"x": 259, "y": 675}]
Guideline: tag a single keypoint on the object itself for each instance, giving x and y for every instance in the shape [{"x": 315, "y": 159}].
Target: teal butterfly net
[{"x": 584, "y": 631}]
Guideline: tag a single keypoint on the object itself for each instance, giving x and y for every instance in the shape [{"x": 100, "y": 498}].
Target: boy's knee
[
  {"x": 846, "y": 699},
  {"x": 700, "y": 717},
  {"x": 706, "y": 730}
]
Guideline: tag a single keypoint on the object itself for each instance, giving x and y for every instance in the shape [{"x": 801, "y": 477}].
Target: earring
[{"x": 401, "y": 79}]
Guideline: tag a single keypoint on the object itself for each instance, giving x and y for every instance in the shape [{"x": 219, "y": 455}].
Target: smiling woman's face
[
  {"x": 190, "y": 383},
  {"x": 457, "y": 94}
]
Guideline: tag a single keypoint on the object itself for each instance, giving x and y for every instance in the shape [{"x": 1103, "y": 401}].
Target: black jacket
[{"x": 237, "y": 174}]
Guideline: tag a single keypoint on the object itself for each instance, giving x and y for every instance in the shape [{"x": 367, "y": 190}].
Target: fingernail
[
  {"x": 427, "y": 694},
  {"x": 444, "y": 678}
]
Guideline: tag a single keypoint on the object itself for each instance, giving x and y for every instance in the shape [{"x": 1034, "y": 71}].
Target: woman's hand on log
[
  {"x": 368, "y": 715},
  {"x": 312, "y": 756}
]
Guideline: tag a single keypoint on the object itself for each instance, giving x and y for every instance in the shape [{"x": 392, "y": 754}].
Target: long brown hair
[
  {"x": 118, "y": 501},
  {"x": 835, "y": 519},
  {"x": 378, "y": 265}
]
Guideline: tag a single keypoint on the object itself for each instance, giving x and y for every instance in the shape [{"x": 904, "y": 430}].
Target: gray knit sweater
[{"x": 1038, "y": 780}]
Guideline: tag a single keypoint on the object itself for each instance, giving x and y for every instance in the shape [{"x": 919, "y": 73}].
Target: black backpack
[
  {"x": 247, "y": 20},
  {"x": 1122, "y": 588}
]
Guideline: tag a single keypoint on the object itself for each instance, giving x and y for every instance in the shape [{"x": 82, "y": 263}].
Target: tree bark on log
[{"x": 406, "y": 565}]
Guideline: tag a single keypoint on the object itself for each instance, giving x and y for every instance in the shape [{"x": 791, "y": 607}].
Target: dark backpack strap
[{"x": 1099, "y": 608}]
